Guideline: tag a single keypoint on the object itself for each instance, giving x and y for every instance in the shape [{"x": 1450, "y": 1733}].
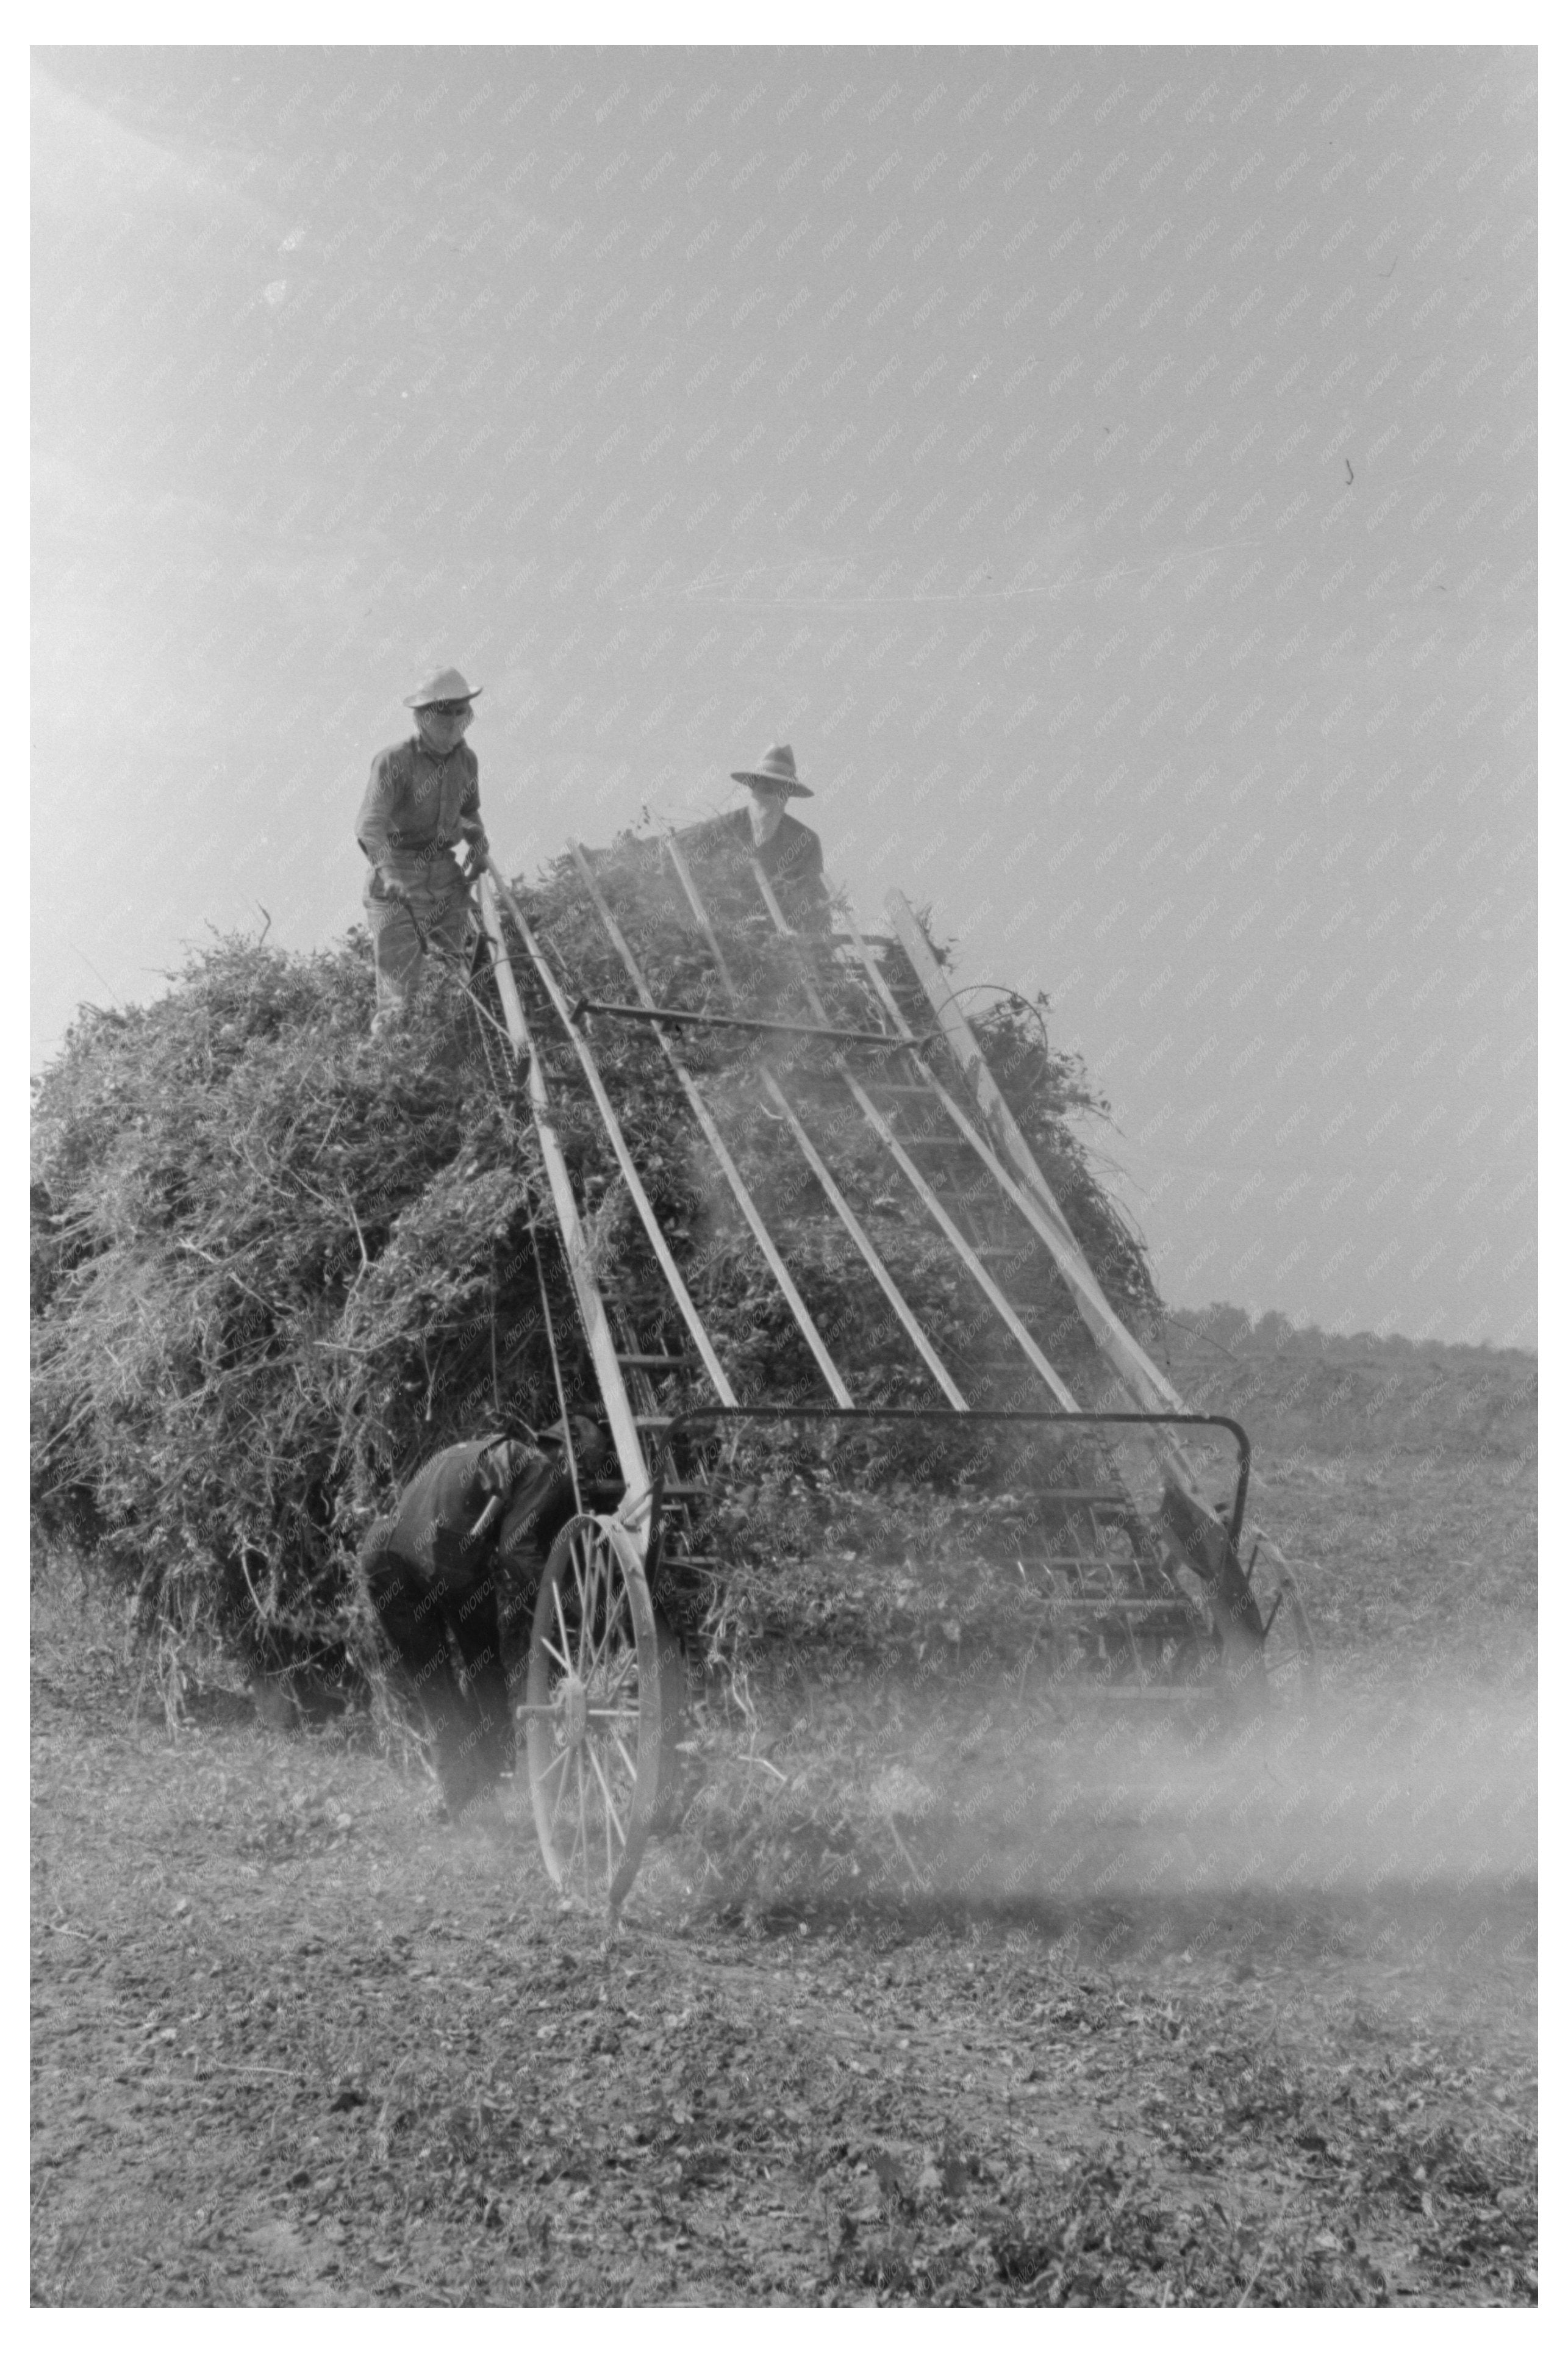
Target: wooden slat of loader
[
  {"x": 579, "y": 1264},
  {"x": 818, "y": 1166},
  {"x": 672, "y": 1275},
  {"x": 928, "y": 1199},
  {"x": 1138, "y": 1379},
  {"x": 1139, "y": 1374},
  {"x": 737, "y": 1183}
]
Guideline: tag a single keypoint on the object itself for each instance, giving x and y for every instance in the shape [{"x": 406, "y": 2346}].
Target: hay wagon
[{"x": 1132, "y": 1580}]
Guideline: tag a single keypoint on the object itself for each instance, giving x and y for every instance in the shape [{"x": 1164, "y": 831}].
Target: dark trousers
[{"x": 447, "y": 1636}]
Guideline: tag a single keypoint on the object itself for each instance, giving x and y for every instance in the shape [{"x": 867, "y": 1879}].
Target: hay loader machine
[{"x": 1138, "y": 1594}]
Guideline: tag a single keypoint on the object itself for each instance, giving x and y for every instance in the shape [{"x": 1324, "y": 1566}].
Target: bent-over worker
[
  {"x": 422, "y": 800},
  {"x": 477, "y": 1518}
]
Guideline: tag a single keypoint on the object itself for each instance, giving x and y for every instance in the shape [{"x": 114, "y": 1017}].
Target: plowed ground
[{"x": 1267, "y": 2040}]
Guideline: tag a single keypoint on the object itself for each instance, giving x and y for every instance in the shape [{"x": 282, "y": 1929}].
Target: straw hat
[
  {"x": 442, "y": 686},
  {"x": 774, "y": 771}
]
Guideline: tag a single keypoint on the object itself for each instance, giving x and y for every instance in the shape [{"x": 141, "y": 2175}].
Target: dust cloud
[{"x": 1423, "y": 1787}]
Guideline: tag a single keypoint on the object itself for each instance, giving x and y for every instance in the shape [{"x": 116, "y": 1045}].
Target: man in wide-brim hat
[
  {"x": 789, "y": 853},
  {"x": 422, "y": 802}
]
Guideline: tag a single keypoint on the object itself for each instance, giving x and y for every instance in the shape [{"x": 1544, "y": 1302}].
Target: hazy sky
[{"x": 1114, "y": 472}]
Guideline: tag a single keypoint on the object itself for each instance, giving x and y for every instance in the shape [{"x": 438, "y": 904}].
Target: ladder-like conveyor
[{"x": 605, "y": 1682}]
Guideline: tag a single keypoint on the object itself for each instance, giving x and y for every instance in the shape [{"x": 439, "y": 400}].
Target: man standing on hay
[
  {"x": 788, "y": 852},
  {"x": 423, "y": 799},
  {"x": 477, "y": 1520}
]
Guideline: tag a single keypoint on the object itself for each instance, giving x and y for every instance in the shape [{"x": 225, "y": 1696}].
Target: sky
[{"x": 1114, "y": 472}]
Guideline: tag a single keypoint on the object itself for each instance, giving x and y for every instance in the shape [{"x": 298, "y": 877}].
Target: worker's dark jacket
[
  {"x": 792, "y": 860},
  {"x": 431, "y": 1529},
  {"x": 434, "y": 1589},
  {"x": 439, "y": 1590}
]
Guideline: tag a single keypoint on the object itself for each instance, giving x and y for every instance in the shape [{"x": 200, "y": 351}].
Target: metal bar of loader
[
  {"x": 579, "y": 1264},
  {"x": 684, "y": 1018},
  {"x": 1239, "y": 1625},
  {"x": 672, "y": 1275},
  {"x": 1134, "y": 1373},
  {"x": 818, "y": 1166},
  {"x": 720, "y": 1149},
  {"x": 957, "y": 1241},
  {"x": 1115, "y": 1342},
  {"x": 1052, "y": 1229}
]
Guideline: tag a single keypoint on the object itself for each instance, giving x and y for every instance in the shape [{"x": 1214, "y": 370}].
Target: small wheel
[
  {"x": 1290, "y": 1650},
  {"x": 592, "y": 1712}
]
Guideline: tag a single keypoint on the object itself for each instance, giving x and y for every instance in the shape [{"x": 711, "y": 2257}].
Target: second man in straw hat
[{"x": 789, "y": 853}]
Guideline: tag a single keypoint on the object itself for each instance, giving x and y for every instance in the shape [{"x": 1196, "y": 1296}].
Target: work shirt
[
  {"x": 416, "y": 808},
  {"x": 792, "y": 860}
]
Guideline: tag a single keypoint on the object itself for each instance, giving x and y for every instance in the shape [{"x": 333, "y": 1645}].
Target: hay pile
[{"x": 276, "y": 1265}]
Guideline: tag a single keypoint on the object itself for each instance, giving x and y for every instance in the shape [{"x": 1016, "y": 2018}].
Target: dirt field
[{"x": 1197, "y": 2029}]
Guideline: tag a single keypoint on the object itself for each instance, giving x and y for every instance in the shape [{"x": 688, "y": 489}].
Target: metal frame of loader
[{"x": 605, "y": 1679}]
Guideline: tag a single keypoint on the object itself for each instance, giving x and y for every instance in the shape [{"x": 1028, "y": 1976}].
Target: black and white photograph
[{"x": 784, "y": 1058}]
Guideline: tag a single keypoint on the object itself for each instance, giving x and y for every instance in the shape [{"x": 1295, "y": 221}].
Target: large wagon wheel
[{"x": 594, "y": 1712}]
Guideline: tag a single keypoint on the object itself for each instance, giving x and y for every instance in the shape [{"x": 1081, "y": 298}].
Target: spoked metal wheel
[{"x": 592, "y": 1712}]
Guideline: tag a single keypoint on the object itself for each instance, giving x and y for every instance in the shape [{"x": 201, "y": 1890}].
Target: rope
[
  {"x": 495, "y": 1369},
  {"x": 555, "y": 1364}
]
